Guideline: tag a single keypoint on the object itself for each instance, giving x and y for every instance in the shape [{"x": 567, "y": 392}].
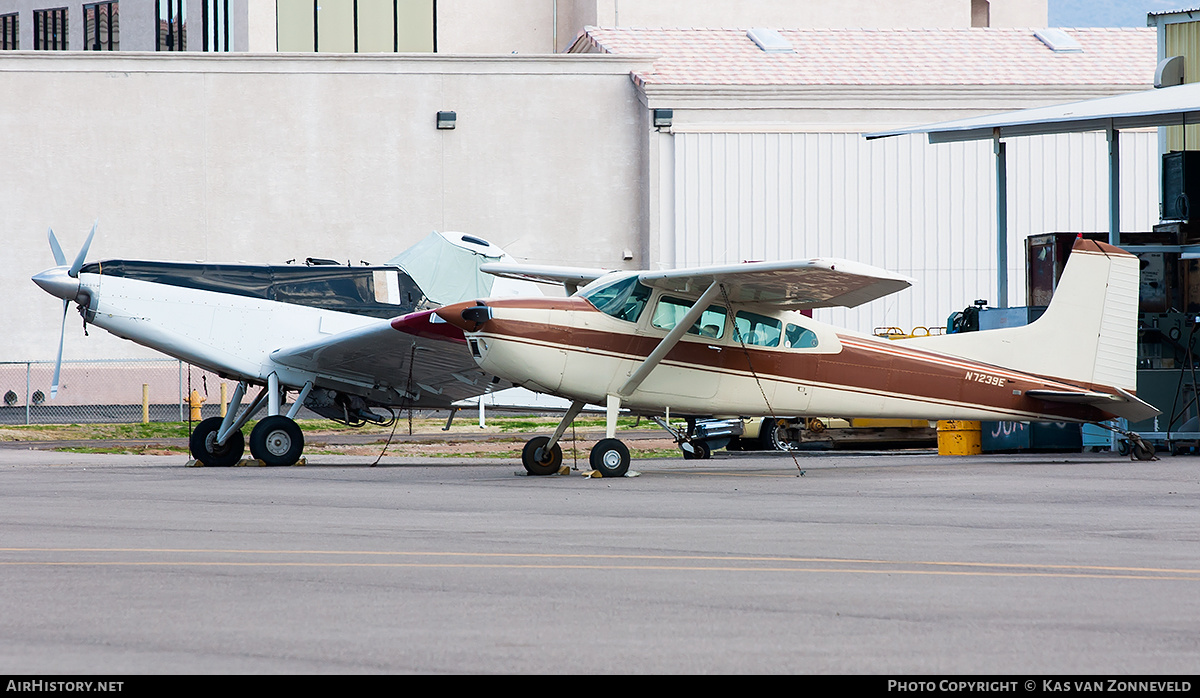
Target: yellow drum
[{"x": 959, "y": 438}]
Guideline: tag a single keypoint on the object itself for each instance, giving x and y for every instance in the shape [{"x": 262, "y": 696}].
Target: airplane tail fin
[{"x": 1087, "y": 336}]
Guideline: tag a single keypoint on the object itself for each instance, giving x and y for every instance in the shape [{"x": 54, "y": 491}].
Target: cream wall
[{"x": 270, "y": 158}]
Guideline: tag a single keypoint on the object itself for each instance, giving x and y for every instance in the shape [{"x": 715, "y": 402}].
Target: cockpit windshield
[{"x": 623, "y": 299}]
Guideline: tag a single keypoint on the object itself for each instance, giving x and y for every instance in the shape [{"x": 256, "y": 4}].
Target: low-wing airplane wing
[
  {"x": 790, "y": 285},
  {"x": 394, "y": 361}
]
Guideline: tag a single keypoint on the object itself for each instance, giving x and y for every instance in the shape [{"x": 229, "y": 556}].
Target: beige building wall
[{"x": 271, "y": 157}]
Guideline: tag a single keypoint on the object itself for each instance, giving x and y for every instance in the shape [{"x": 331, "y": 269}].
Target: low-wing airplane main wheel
[
  {"x": 610, "y": 458},
  {"x": 277, "y": 440},
  {"x": 203, "y": 444},
  {"x": 538, "y": 460}
]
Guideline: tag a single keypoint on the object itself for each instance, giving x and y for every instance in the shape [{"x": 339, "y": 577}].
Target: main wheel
[
  {"x": 203, "y": 444},
  {"x": 610, "y": 458},
  {"x": 547, "y": 462},
  {"x": 277, "y": 440}
]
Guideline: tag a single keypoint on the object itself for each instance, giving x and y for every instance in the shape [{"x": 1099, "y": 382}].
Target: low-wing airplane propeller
[
  {"x": 346, "y": 339},
  {"x": 731, "y": 340},
  {"x": 63, "y": 281}
]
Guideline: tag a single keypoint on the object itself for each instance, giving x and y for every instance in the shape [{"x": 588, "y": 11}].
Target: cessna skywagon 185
[
  {"x": 731, "y": 340},
  {"x": 349, "y": 339}
]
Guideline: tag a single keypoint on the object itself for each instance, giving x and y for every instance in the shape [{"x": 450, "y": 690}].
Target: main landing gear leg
[
  {"x": 542, "y": 455},
  {"x": 277, "y": 439},
  {"x": 610, "y": 457},
  {"x": 218, "y": 441}
]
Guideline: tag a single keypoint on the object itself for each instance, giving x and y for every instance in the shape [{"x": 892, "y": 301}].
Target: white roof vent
[
  {"x": 770, "y": 41},
  {"x": 1058, "y": 40}
]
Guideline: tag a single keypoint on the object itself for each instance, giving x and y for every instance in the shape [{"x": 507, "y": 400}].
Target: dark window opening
[
  {"x": 215, "y": 18},
  {"x": 101, "y": 27},
  {"x": 171, "y": 19},
  {"x": 50, "y": 29},
  {"x": 10, "y": 33}
]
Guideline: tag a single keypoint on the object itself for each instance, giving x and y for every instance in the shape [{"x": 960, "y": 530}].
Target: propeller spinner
[{"x": 62, "y": 281}]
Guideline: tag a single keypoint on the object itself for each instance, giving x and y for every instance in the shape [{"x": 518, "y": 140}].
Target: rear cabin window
[
  {"x": 757, "y": 330},
  {"x": 623, "y": 300},
  {"x": 670, "y": 311},
  {"x": 796, "y": 337}
]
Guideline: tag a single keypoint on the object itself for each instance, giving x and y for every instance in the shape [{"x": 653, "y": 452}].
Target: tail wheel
[
  {"x": 204, "y": 447},
  {"x": 277, "y": 440},
  {"x": 1142, "y": 450},
  {"x": 700, "y": 451},
  {"x": 610, "y": 458},
  {"x": 538, "y": 460}
]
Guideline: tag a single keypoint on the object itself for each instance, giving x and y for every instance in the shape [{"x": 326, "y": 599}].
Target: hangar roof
[{"x": 977, "y": 56}]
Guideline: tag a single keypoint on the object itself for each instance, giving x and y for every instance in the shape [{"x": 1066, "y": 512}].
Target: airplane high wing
[
  {"x": 346, "y": 339},
  {"x": 791, "y": 285},
  {"x": 730, "y": 340}
]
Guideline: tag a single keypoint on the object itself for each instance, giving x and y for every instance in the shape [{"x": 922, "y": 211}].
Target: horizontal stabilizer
[
  {"x": 1123, "y": 404},
  {"x": 545, "y": 274}
]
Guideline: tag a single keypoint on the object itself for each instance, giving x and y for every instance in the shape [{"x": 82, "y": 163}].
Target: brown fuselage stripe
[{"x": 857, "y": 367}]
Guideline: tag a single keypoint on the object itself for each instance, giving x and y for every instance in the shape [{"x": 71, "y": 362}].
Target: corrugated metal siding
[
  {"x": 1183, "y": 39},
  {"x": 924, "y": 210}
]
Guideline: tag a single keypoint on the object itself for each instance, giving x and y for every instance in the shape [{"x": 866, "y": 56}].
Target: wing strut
[{"x": 668, "y": 343}]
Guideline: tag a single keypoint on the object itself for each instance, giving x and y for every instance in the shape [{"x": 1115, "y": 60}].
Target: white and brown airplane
[{"x": 731, "y": 340}]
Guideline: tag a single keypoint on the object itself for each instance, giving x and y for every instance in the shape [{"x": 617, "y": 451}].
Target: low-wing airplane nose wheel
[
  {"x": 538, "y": 460},
  {"x": 610, "y": 458},
  {"x": 205, "y": 449},
  {"x": 277, "y": 440}
]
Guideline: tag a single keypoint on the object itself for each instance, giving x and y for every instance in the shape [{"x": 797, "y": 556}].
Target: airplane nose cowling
[
  {"x": 468, "y": 316},
  {"x": 57, "y": 282}
]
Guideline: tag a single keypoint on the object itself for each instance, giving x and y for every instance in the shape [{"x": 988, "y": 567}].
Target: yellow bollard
[
  {"x": 223, "y": 400},
  {"x": 959, "y": 438},
  {"x": 194, "y": 400},
  {"x": 145, "y": 403}
]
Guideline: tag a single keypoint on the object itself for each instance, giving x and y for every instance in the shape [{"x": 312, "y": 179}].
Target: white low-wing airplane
[
  {"x": 347, "y": 338},
  {"x": 730, "y": 340}
]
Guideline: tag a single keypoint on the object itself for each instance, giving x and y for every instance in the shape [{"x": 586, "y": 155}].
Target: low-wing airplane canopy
[{"x": 795, "y": 285}]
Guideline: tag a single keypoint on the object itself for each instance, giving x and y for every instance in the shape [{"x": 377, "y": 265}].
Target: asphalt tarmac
[{"x": 867, "y": 564}]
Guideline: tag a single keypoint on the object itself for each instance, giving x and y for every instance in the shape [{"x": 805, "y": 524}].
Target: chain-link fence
[{"x": 112, "y": 391}]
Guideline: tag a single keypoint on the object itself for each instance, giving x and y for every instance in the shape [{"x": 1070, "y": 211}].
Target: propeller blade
[
  {"x": 78, "y": 263},
  {"x": 58, "y": 362},
  {"x": 60, "y": 259}
]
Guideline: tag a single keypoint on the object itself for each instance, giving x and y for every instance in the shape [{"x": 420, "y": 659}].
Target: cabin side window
[
  {"x": 796, "y": 337},
  {"x": 670, "y": 311},
  {"x": 757, "y": 330},
  {"x": 623, "y": 300}
]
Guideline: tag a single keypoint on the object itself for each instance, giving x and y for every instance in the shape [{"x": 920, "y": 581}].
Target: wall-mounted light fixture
[
  {"x": 445, "y": 119},
  {"x": 662, "y": 118}
]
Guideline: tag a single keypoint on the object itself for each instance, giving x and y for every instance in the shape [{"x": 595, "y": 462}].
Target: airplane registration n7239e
[{"x": 731, "y": 340}]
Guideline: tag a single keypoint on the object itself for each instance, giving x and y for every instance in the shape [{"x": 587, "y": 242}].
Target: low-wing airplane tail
[{"x": 1087, "y": 336}]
